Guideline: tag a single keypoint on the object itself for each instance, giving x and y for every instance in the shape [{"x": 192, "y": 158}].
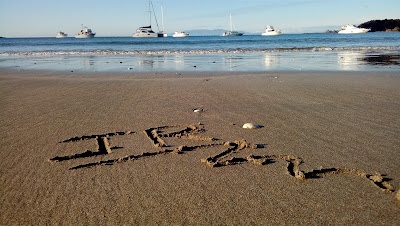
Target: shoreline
[
  {"x": 187, "y": 74},
  {"x": 367, "y": 60},
  {"x": 339, "y": 121}
]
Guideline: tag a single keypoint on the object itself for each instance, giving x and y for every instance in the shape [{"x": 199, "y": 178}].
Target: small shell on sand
[
  {"x": 198, "y": 110},
  {"x": 250, "y": 126}
]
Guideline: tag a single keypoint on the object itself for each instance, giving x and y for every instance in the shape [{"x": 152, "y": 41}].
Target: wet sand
[{"x": 98, "y": 148}]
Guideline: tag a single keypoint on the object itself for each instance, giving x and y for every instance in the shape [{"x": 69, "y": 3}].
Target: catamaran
[
  {"x": 232, "y": 32},
  {"x": 146, "y": 31}
]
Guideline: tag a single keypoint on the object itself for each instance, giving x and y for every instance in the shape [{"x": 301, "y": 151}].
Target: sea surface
[{"x": 378, "y": 51}]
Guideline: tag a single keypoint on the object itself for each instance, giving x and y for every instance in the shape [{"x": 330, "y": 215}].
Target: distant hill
[{"x": 382, "y": 25}]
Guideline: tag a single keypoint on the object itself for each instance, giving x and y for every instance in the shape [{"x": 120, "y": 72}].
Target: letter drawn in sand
[
  {"x": 102, "y": 141},
  {"x": 225, "y": 158}
]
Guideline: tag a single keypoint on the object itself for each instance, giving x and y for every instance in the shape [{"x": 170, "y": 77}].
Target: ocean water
[{"x": 328, "y": 52}]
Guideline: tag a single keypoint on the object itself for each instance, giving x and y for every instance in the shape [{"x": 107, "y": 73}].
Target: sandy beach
[{"x": 128, "y": 149}]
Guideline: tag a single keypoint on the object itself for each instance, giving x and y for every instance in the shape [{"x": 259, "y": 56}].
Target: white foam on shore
[{"x": 200, "y": 51}]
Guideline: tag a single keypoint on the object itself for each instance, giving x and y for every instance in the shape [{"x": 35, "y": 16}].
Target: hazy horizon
[{"x": 44, "y": 18}]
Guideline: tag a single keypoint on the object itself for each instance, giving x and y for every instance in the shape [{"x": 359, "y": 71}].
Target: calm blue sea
[{"x": 331, "y": 52}]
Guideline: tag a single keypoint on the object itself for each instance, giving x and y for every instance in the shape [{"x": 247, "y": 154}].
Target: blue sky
[{"x": 44, "y": 18}]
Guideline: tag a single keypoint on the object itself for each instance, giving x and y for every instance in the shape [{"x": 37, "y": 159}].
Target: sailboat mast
[
  {"x": 230, "y": 19},
  {"x": 149, "y": 13},
  {"x": 162, "y": 18}
]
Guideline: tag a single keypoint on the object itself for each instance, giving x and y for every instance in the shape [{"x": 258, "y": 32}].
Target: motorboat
[
  {"x": 351, "y": 29},
  {"x": 85, "y": 33},
  {"x": 179, "y": 34},
  {"x": 269, "y": 30},
  {"x": 61, "y": 35},
  {"x": 232, "y": 32},
  {"x": 146, "y": 31}
]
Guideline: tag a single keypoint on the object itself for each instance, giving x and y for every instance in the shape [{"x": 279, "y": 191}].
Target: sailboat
[
  {"x": 146, "y": 31},
  {"x": 232, "y": 32},
  {"x": 164, "y": 34}
]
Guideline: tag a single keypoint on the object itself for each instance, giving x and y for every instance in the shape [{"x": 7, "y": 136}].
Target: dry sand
[{"x": 128, "y": 149}]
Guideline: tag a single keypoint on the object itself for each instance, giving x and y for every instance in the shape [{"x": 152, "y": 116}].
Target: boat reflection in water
[
  {"x": 270, "y": 60},
  {"x": 349, "y": 60}
]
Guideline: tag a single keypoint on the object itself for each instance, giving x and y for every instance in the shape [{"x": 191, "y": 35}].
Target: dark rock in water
[
  {"x": 330, "y": 31},
  {"x": 393, "y": 30}
]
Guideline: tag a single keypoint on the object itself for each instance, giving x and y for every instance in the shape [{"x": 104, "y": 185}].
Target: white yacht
[
  {"x": 61, "y": 35},
  {"x": 146, "y": 31},
  {"x": 232, "y": 32},
  {"x": 179, "y": 34},
  {"x": 85, "y": 33},
  {"x": 351, "y": 29},
  {"x": 269, "y": 30}
]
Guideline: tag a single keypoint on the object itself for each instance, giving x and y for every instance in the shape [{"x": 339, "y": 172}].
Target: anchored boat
[
  {"x": 179, "y": 34},
  {"x": 351, "y": 29},
  {"x": 269, "y": 30},
  {"x": 85, "y": 33},
  {"x": 61, "y": 35},
  {"x": 146, "y": 31},
  {"x": 232, "y": 32}
]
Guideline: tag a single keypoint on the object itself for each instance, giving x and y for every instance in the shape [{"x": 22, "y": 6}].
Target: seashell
[
  {"x": 250, "y": 126},
  {"x": 198, "y": 110}
]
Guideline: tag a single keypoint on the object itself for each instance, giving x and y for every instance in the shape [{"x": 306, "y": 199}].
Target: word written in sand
[{"x": 225, "y": 158}]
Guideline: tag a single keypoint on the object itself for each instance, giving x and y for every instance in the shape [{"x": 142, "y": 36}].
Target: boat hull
[
  {"x": 355, "y": 31},
  {"x": 85, "y": 36},
  {"x": 148, "y": 35},
  {"x": 271, "y": 33},
  {"x": 233, "y": 34},
  {"x": 179, "y": 36}
]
